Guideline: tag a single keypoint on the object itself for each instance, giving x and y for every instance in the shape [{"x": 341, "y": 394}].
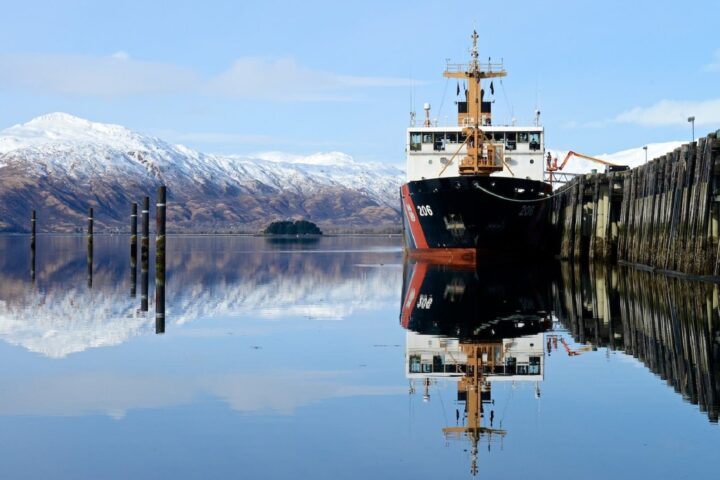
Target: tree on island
[{"x": 286, "y": 227}]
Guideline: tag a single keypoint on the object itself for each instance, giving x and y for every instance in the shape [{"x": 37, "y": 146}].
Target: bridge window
[
  {"x": 439, "y": 142},
  {"x": 427, "y": 138},
  {"x": 415, "y": 366},
  {"x": 415, "y": 138},
  {"x": 534, "y": 368},
  {"x": 510, "y": 141},
  {"x": 522, "y": 137},
  {"x": 534, "y": 141}
]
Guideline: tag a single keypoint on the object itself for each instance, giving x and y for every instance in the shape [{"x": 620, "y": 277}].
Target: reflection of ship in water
[
  {"x": 671, "y": 325},
  {"x": 477, "y": 327}
]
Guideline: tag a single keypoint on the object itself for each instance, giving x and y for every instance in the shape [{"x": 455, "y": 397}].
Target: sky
[{"x": 317, "y": 76}]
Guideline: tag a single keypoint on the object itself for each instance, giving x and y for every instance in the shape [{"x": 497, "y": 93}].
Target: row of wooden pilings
[
  {"x": 160, "y": 208},
  {"x": 663, "y": 215},
  {"x": 672, "y": 325}
]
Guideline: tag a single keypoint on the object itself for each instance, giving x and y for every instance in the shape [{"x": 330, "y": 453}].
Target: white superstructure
[
  {"x": 434, "y": 152},
  {"x": 434, "y": 356}
]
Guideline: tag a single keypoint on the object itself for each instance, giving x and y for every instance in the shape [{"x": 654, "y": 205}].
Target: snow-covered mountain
[{"x": 61, "y": 165}]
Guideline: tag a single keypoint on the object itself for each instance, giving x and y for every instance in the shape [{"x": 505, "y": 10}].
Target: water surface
[{"x": 335, "y": 359}]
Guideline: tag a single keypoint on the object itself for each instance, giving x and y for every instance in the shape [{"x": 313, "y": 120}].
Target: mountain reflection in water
[{"x": 206, "y": 277}]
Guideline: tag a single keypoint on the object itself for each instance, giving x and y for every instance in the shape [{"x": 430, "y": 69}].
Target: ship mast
[
  {"x": 483, "y": 157},
  {"x": 472, "y": 384}
]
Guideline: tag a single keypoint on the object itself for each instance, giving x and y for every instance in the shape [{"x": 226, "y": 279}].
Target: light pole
[
  {"x": 645, "y": 148},
  {"x": 692, "y": 122}
]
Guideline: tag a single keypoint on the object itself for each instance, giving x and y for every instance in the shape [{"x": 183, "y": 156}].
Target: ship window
[
  {"x": 534, "y": 368},
  {"x": 427, "y": 138},
  {"x": 415, "y": 364},
  {"x": 534, "y": 141},
  {"x": 452, "y": 137},
  {"x": 440, "y": 141},
  {"x": 522, "y": 137},
  {"x": 498, "y": 136},
  {"x": 415, "y": 138},
  {"x": 510, "y": 141}
]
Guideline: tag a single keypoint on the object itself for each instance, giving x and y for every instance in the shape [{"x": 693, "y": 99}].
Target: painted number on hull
[
  {"x": 424, "y": 302},
  {"x": 526, "y": 210},
  {"x": 424, "y": 210}
]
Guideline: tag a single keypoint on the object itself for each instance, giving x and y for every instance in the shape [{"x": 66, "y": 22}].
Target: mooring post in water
[
  {"x": 133, "y": 250},
  {"x": 144, "y": 254},
  {"x": 90, "y": 247},
  {"x": 33, "y": 222},
  {"x": 160, "y": 261}
]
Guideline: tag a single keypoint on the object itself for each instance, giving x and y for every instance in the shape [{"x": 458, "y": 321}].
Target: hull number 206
[
  {"x": 424, "y": 210},
  {"x": 526, "y": 211}
]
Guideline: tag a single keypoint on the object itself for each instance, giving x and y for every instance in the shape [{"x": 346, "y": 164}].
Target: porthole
[{"x": 532, "y": 161}]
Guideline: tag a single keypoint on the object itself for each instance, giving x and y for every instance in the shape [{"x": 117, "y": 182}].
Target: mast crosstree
[{"x": 482, "y": 157}]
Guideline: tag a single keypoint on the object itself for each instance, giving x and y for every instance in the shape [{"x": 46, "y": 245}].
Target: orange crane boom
[{"x": 554, "y": 166}]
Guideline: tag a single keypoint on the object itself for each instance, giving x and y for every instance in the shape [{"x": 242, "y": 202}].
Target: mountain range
[{"x": 61, "y": 165}]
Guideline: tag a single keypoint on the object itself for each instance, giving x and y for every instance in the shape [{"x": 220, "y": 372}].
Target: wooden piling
[
  {"x": 160, "y": 261},
  {"x": 90, "y": 242},
  {"x": 133, "y": 250},
  {"x": 144, "y": 254},
  {"x": 33, "y": 224}
]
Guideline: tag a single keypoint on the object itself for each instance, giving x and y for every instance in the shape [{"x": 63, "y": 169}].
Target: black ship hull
[
  {"x": 454, "y": 219},
  {"x": 487, "y": 302}
]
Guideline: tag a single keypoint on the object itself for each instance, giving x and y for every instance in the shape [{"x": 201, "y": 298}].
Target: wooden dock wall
[
  {"x": 663, "y": 215},
  {"x": 671, "y": 325}
]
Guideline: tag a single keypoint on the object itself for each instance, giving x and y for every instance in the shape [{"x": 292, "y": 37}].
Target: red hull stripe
[
  {"x": 416, "y": 281},
  {"x": 413, "y": 220},
  {"x": 445, "y": 256}
]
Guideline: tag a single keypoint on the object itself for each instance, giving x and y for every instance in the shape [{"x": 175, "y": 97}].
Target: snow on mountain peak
[
  {"x": 60, "y": 128},
  {"x": 321, "y": 158}
]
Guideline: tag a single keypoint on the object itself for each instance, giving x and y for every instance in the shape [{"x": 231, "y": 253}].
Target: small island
[{"x": 288, "y": 228}]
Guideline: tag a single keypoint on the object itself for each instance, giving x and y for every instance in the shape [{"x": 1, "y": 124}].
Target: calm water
[{"x": 335, "y": 360}]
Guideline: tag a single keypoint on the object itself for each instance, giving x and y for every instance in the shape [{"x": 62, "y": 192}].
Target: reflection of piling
[
  {"x": 33, "y": 222},
  {"x": 160, "y": 262},
  {"x": 90, "y": 247},
  {"x": 133, "y": 250},
  {"x": 144, "y": 246}
]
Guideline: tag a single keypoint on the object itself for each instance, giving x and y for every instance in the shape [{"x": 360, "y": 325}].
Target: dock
[{"x": 662, "y": 216}]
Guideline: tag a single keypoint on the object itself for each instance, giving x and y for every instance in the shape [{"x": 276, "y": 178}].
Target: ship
[
  {"x": 475, "y": 188},
  {"x": 479, "y": 327}
]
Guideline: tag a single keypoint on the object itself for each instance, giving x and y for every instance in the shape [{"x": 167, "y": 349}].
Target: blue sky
[{"x": 302, "y": 77}]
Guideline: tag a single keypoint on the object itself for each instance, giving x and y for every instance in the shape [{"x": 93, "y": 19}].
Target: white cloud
[
  {"x": 120, "y": 55},
  {"x": 251, "y": 78},
  {"x": 228, "y": 138},
  {"x": 714, "y": 65},
  {"x": 114, "y": 394},
  {"x": 673, "y": 113},
  {"x": 116, "y": 74},
  {"x": 285, "y": 79}
]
